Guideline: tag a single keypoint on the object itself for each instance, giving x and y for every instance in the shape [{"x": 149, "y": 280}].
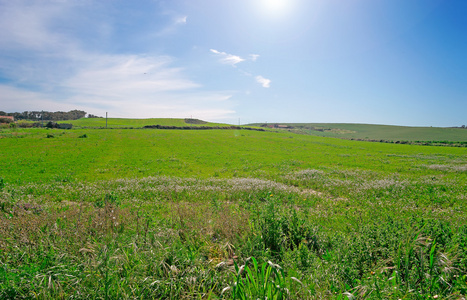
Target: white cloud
[
  {"x": 228, "y": 59},
  {"x": 234, "y": 59},
  {"x": 173, "y": 27},
  {"x": 141, "y": 86},
  {"x": 17, "y": 100},
  {"x": 181, "y": 20},
  {"x": 263, "y": 81},
  {"x": 126, "y": 75},
  {"x": 254, "y": 57}
]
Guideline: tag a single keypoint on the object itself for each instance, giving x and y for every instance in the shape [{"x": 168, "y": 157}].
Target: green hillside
[
  {"x": 137, "y": 123},
  {"x": 378, "y": 132}
]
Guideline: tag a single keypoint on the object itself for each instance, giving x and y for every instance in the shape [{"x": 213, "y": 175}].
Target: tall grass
[{"x": 193, "y": 242}]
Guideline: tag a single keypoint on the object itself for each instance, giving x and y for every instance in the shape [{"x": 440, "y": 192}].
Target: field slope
[{"x": 378, "y": 132}]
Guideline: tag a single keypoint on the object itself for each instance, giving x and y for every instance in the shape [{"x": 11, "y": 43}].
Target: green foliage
[
  {"x": 282, "y": 232},
  {"x": 108, "y": 199},
  {"x": 271, "y": 231},
  {"x": 253, "y": 281}
]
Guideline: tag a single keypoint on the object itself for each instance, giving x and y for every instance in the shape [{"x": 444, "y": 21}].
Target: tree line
[{"x": 46, "y": 115}]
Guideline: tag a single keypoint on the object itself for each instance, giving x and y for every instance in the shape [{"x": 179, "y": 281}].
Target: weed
[{"x": 253, "y": 281}]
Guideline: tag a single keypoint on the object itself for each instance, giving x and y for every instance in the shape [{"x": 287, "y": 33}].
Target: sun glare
[
  {"x": 275, "y": 7},
  {"x": 275, "y": 4}
]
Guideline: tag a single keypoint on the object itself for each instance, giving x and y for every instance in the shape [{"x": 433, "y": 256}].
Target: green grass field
[
  {"x": 379, "y": 132},
  {"x": 178, "y": 214}
]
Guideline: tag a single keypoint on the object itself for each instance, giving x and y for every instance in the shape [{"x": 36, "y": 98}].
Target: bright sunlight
[{"x": 275, "y": 7}]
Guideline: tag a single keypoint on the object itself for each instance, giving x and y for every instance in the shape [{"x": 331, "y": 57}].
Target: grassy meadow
[
  {"x": 117, "y": 213},
  {"x": 380, "y": 132}
]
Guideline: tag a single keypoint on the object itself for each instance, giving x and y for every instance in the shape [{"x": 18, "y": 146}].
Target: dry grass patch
[{"x": 226, "y": 222}]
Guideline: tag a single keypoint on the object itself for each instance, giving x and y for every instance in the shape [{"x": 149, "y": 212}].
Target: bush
[
  {"x": 6, "y": 120},
  {"x": 27, "y": 124},
  {"x": 51, "y": 124}
]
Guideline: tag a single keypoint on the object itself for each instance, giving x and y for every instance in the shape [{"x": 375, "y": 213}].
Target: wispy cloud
[
  {"x": 106, "y": 75},
  {"x": 263, "y": 81},
  {"x": 232, "y": 60},
  {"x": 227, "y": 58},
  {"x": 171, "y": 28},
  {"x": 254, "y": 57},
  {"x": 180, "y": 20}
]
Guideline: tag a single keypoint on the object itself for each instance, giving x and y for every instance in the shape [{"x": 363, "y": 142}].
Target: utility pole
[{"x": 105, "y": 119}]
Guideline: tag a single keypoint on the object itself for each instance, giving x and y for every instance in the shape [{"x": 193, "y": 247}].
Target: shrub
[
  {"x": 6, "y": 120},
  {"x": 51, "y": 124}
]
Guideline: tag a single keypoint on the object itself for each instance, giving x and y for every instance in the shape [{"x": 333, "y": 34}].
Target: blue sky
[{"x": 398, "y": 62}]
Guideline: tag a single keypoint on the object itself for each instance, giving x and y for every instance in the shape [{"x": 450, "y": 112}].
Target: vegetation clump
[{"x": 51, "y": 125}]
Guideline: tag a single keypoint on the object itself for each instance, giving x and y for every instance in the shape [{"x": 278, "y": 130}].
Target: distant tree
[
  {"x": 46, "y": 115},
  {"x": 76, "y": 114}
]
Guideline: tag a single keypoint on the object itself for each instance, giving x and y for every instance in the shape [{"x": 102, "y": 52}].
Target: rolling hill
[{"x": 374, "y": 132}]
